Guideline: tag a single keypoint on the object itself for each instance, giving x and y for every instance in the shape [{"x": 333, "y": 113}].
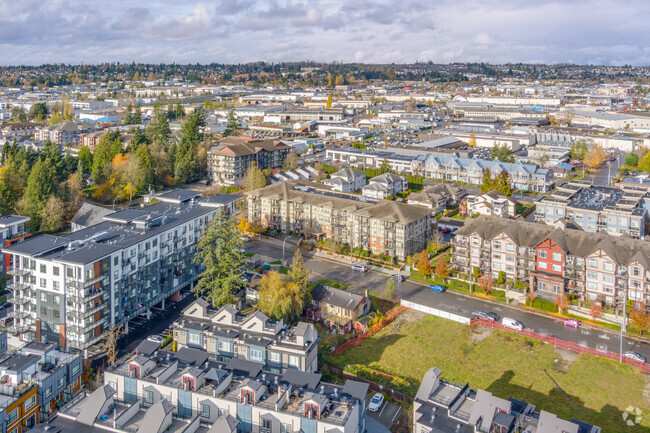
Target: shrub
[
  {"x": 543, "y": 305},
  {"x": 392, "y": 382},
  {"x": 501, "y": 278}
]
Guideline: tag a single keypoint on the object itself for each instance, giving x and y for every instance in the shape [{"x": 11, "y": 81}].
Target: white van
[{"x": 512, "y": 324}]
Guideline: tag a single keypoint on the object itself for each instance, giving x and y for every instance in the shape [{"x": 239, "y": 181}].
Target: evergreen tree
[
  {"x": 255, "y": 178},
  {"x": 233, "y": 125},
  {"x": 384, "y": 167},
  {"x": 86, "y": 159},
  {"x": 40, "y": 187},
  {"x": 300, "y": 275},
  {"x": 502, "y": 183},
  {"x": 127, "y": 116},
  {"x": 136, "y": 119},
  {"x": 220, "y": 254},
  {"x": 146, "y": 165},
  {"x": 101, "y": 159},
  {"x": 488, "y": 182},
  {"x": 158, "y": 130}
]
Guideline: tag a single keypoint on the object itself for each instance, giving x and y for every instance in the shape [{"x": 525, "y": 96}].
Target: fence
[
  {"x": 372, "y": 331},
  {"x": 563, "y": 344},
  {"x": 373, "y": 386},
  {"x": 435, "y": 312}
]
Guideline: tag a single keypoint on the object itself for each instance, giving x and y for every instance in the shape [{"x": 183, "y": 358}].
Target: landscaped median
[{"x": 571, "y": 385}]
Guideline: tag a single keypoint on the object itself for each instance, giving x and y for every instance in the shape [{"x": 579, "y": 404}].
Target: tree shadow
[{"x": 564, "y": 405}]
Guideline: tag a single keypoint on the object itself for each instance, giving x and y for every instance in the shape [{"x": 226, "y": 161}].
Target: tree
[
  {"x": 502, "y": 183},
  {"x": 486, "y": 283},
  {"x": 595, "y": 156},
  {"x": 53, "y": 215},
  {"x": 562, "y": 303},
  {"x": 40, "y": 187},
  {"x": 10, "y": 190},
  {"x": 329, "y": 101},
  {"x": 632, "y": 159},
  {"x": 391, "y": 289},
  {"x": 290, "y": 162},
  {"x": 128, "y": 119},
  {"x": 436, "y": 243},
  {"x": 475, "y": 272},
  {"x": 442, "y": 270},
  {"x": 299, "y": 274},
  {"x": 645, "y": 162},
  {"x": 254, "y": 179},
  {"x": 639, "y": 319},
  {"x": 86, "y": 159},
  {"x": 472, "y": 140},
  {"x": 158, "y": 129},
  {"x": 502, "y": 153},
  {"x": 109, "y": 343},
  {"x": 595, "y": 311},
  {"x": 136, "y": 118},
  {"x": 384, "y": 167},
  {"x": 146, "y": 166},
  {"x": 232, "y": 126},
  {"x": 101, "y": 158},
  {"x": 219, "y": 251},
  {"x": 186, "y": 165},
  {"x": 423, "y": 266},
  {"x": 38, "y": 112},
  {"x": 18, "y": 114},
  {"x": 488, "y": 182},
  {"x": 321, "y": 173},
  {"x": 501, "y": 278},
  {"x": 578, "y": 150},
  {"x": 280, "y": 298}
]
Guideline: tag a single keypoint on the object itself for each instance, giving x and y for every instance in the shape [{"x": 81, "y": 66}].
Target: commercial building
[
  {"x": 227, "y": 334},
  {"x": 315, "y": 211},
  {"x": 446, "y": 407},
  {"x": 229, "y": 160},
  {"x": 188, "y": 391},
  {"x": 556, "y": 259},
  {"x": 596, "y": 208},
  {"x": 69, "y": 289}
]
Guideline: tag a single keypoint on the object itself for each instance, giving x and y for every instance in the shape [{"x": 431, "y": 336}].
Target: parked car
[
  {"x": 398, "y": 277},
  {"x": 446, "y": 230},
  {"x": 571, "y": 322},
  {"x": 437, "y": 288},
  {"x": 246, "y": 238},
  {"x": 375, "y": 402},
  {"x": 634, "y": 356},
  {"x": 155, "y": 339},
  {"x": 487, "y": 315},
  {"x": 512, "y": 324},
  {"x": 359, "y": 267}
]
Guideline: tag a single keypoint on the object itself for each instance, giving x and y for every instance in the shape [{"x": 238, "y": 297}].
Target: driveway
[{"x": 384, "y": 418}]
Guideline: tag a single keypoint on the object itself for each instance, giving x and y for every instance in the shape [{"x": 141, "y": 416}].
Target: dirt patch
[
  {"x": 406, "y": 318},
  {"x": 564, "y": 361},
  {"x": 478, "y": 334}
]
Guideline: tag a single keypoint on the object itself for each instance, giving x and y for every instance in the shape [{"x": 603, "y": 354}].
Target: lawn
[{"x": 594, "y": 390}]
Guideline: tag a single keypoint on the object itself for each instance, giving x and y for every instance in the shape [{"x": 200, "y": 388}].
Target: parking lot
[{"x": 387, "y": 412}]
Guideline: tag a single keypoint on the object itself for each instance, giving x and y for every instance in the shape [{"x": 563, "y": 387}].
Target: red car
[{"x": 571, "y": 322}]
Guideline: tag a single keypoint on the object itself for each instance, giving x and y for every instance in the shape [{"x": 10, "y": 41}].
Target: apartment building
[
  {"x": 64, "y": 133},
  {"x": 596, "y": 208},
  {"x": 189, "y": 391},
  {"x": 315, "y": 211},
  {"x": 556, "y": 259},
  {"x": 232, "y": 156},
  {"x": 227, "y": 334},
  {"x": 68, "y": 289},
  {"x": 438, "y": 197},
  {"x": 442, "y": 406}
]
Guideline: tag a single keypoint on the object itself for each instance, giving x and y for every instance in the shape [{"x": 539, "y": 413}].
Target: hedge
[
  {"x": 395, "y": 382},
  {"x": 543, "y": 305}
]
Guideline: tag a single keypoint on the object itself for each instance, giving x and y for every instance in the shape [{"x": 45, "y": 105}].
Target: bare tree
[{"x": 109, "y": 343}]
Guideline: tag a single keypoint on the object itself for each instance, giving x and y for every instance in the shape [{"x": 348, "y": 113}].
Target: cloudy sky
[{"x": 373, "y": 31}]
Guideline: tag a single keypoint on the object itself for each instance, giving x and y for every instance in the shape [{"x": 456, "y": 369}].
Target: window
[
  {"x": 48, "y": 391},
  {"x": 557, "y": 268},
  {"x": 148, "y": 397},
  {"x": 510, "y": 258},
  {"x": 294, "y": 361},
  {"x": 496, "y": 266},
  {"x": 224, "y": 346},
  {"x": 11, "y": 416},
  {"x": 61, "y": 382},
  {"x": 56, "y": 285},
  {"x": 43, "y": 283},
  {"x": 608, "y": 289},
  {"x": 510, "y": 248},
  {"x": 43, "y": 269},
  {"x": 541, "y": 286},
  {"x": 285, "y": 428},
  {"x": 222, "y": 412},
  {"x": 592, "y": 275},
  {"x": 475, "y": 241},
  {"x": 113, "y": 385},
  {"x": 557, "y": 257},
  {"x": 542, "y": 254},
  {"x": 266, "y": 424},
  {"x": 556, "y": 288},
  {"x": 43, "y": 297},
  {"x": 496, "y": 245},
  {"x": 30, "y": 402},
  {"x": 496, "y": 256},
  {"x": 592, "y": 286},
  {"x": 194, "y": 338},
  {"x": 116, "y": 260},
  {"x": 75, "y": 371},
  {"x": 275, "y": 357},
  {"x": 608, "y": 266},
  {"x": 256, "y": 355},
  {"x": 592, "y": 263},
  {"x": 205, "y": 410},
  {"x": 636, "y": 272},
  {"x": 55, "y": 271},
  {"x": 542, "y": 265},
  {"x": 608, "y": 278},
  {"x": 475, "y": 251}
]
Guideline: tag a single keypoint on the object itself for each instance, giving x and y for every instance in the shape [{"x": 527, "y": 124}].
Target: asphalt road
[
  {"x": 452, "y": 301},
  {"x": 603, "y": 175}
]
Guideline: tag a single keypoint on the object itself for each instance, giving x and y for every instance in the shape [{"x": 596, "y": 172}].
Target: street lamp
[
  {"x": 114, "y": 202},
  {"x": 285, "y": 239}
]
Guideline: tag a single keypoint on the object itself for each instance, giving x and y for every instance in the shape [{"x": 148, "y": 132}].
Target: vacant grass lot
[{"x": 572, "y": 386}]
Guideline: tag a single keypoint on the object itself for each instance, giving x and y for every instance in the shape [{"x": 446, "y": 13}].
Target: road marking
[
  {"x": 602, "y": 347},
  {"x": 396, "y": 413},
  {"x": 382, "y": 409},
  {"x": 585, "y": 332},
  {"x": 604, "y": 336},
  {"x": 498, "y": 308}
]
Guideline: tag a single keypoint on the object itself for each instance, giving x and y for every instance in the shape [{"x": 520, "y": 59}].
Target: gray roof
[
  {"x": 188, "y": 355},
  {"x": 178, "y": 195},
  {"x": 94, "y": 404},
  {"x": 301, "y": 379},
  {"x": 550, "y": 423},
  {"x": 339, "y": 298},
  {"x": 155, "y": 417},
  {"x": 486, "y": 406},
  {"x": 355, "y": 389},
  {"x": 18, "y": 361},
  {"x": 147, "y": 347},
  {"x": 244, "y": 367},
  {"x": 12, "y": 219},
  {"x": 225, "y": 424},
  {"x": 90, "y": 214},
  {"x": 429, "y": 382}
]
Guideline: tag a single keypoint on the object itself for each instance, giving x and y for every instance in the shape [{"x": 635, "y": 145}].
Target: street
[
  {"x": 603, "y": 175},
  {"x": 451, "y": 301}
]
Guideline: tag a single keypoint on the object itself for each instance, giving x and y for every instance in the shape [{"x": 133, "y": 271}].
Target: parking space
[{"x": 386, "y": 414}]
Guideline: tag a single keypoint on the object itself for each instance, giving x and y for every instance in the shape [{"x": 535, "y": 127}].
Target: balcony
[
  {"x": 83, "y": 284},
  {"x": 18, "y": 272},
  {"x": 17, "y": 286},
  {"x": 17, "y": 300},
  {"x": 19, "y": 314}
]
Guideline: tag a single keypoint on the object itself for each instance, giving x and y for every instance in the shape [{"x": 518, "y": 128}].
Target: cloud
[{"x": 381, "y": 31}]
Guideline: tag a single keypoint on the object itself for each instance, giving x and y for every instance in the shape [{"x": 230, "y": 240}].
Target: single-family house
[
  {"x": 346, "y": 180},
  {"x": 492, "y": 203},
  {"x": 438, "y": 197},
  {"x": 385, "y": 185},
  {"x": 337, "y": 308}
]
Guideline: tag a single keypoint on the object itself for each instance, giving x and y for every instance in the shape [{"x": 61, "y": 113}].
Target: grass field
[{"x": 584, "y": 387}]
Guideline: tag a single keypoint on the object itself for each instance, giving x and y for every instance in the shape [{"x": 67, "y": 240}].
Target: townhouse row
[
  {"x": 69, "y": 289},
  {"x": 556, "y": 259},
  {"x": 315, "y": 211}
]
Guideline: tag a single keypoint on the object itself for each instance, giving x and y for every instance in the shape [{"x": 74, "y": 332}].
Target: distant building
[
  {"x": 492, "y": 203},
  {"x": 301, "y": 173},
  {"x": 64, "y": 133},
  {"x": 438, "y": 197},
  {"x": 346, "y": 180},
  {"x": 384, "y": 185}
]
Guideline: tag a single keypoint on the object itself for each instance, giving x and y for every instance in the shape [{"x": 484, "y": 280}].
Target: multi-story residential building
[
  {"x": 556, "y": 259},
  {"x": 69, "y": 289},
  {"x": 229, "y": 160},
  {"x": 227, "y": 334},
  {"x": 346, "y": 180},
  {"x": 596, "y": 208},
  {"x": 492, "y": 203},
  {"x": 448, "y": 167},
  {"x": 185, "y": 390},
  {"x": 64, "y": 133},
  {"x": 385, "y": 185},
  {"x": 438, "y": 197},
  {"x": 314, "y": 211},
  {"x": 442, "y": 406}
]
